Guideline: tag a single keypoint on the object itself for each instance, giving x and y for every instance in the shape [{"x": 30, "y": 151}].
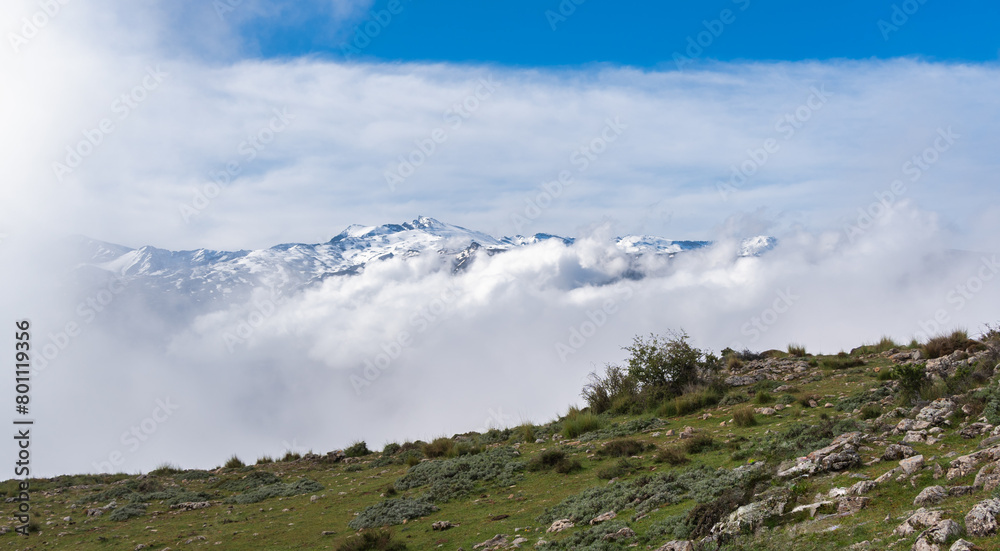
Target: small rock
[
  {"x": 442, "y": 525},
  {"x": 931, "y": 495},
  {"x": 848, "y": 505},
  {"x": 963, "y": 545},
  {"x": 895, "y": 452},
  {"x": 622, "y": 534}
]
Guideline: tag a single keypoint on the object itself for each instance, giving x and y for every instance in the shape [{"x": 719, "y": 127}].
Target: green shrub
[
  {"x": 291, "y": 456},
  {"x": 673, "y": 527},
  {"x": 547, "y": 460},
  {"x": 234, "y": 463},
  {"x": 391, "y": 512},
  {"x": 796, "y": 350},
  {"x": 255, "y": 479},
  {"x": 357, "y": 449},
  {"x": 450, "y": 478},
  {"x": 734, "y": 398},
  {"x": 943, "y": 345},
  {"x": 127, "y": 512},
  {"x": 166, "y": 469},
  {"x": 621, "y": 468},
  {"x": 622, "y": 447},
  {"x": 672, "y": 455},
  {"x": 883, "y": 345},
  {"x": 391, "y": 448},
  {"x": 744, "y": 416},
  {"x": 616, "y": 389},
  {"x": 702, "y": 517},
  {"x": 839, "y": 362},
  {"x": 568, "y": 466},
  {"x": 667, "y": 364},
  {"x": 439, "y": 447},
  {"x": 372, "y": 540},
  {"x": 763, "y": 398},
  {"x": 627, "y": 428},
  {"x": 699, "y": 443},
  {"x": 912, "y": 379},
  {"x": 870, "y": 411},
  {"x": 525, "y": 433},
  {"x": 265, "y": 460},
  {"x": 257, "y": 495},
  {"x": 193, "y": 475},
  {"x": 577, "y": 423}
]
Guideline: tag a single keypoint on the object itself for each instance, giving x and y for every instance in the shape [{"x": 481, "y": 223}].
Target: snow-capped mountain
[{"x": 208, "y": 275}]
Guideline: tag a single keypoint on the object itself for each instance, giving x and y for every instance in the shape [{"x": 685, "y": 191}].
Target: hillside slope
[{"x": 789, "y": 452}]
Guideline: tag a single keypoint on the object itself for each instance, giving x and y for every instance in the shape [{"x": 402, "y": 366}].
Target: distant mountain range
[{"x": 209, "y": 275}]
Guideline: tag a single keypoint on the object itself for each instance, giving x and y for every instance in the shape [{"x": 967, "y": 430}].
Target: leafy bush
[
  {"x": 870, "y": 411},
  {"x": 526, "y": 432},
  {"x": 391, "y": 512},
  {"x": 703, "y": 516},
  {"x": 451, "y": 478},
  {"x": 439, "y": 447},
  {"x": 616, "y": 387},
  {"x": 553, "y": 459},
  {"x": 694, "y": 398},
  {"x": 863, "y": 397},
  {"x": 391, "y": 448},
  {"x": 667, "y": 364},
  {"x": 912, "y": 378},
  {"x": 166, "y": 469},
  {"x": 127, "y": 512},
  {"x": 646, "y": 493},
  {"x": 763, "y": 398},
  {"x": 733, "y": 398},
  {"x": 883, "y": 345},
  {"x": 193, "y": 475},
  {"x": 578, "y": 422},
  {"x": 672, "y": 455},
  {"x": 291, "y": 456},
  {"x": 990, "y": 396},
  {"x": 795, "y": 441},
  {"x": 304, "y": 486},
  {"x": 744, "y": 417},
  {"x": 234, "y": 463},
  {"x": 796, "y": 350},
  {"x": 357, "y": 449},
  {"x": 845, "y": 362},
  {"x": 265, "y": 460},
  {"x": 372, "y": 540},
  {"x": 673, "y": 527},
  {"x": 255, "y": 479},
  {"x": 621, "y": 468},
  {"x": 943, "y": 345},
  {"x": 622, "y": 447},
  {"x": 699, "y": 443}
]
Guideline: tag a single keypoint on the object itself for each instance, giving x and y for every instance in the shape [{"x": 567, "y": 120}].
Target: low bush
[
  {"x": 166, "y": 469},
  {"x": 615, "y": 390},
  {"x": 547, "y": 460},
  {"x": 126, "y": 512},
  {"x": 299, "y": 487},
  {"x": 372, "y": 540},
  {"x": 871, "y": 411},
  {"x": 699, "y": 443},
  {"x": 671, "y": 455},
  {"x": 883, "y": 345},
  {"x": 291, "y": 456},
  {"x": 578, "y": 422},
  {"x": 763, "y": 398},
  {"x": 391, "y": 512},
  {"x": 841, "y": 362},
  {"x": 622, "y": 447},
  {"x": 744, "y": 416},
  {"x": 265, "y": 460},
  {"x": 734, "y": 398},
  {"x": 439, "y": 447},
  {"x": 391, "y": 448},
  {"x": 797, "y": 350},
  {"x": 450, "y": 478},
  {"x": 234, "y": 463},
  {"x": 621, "y": 468},
  {"x": 255, "y": 479},
  {"x": 943, "y": 345},
  {"x": 357, "y": 449}
]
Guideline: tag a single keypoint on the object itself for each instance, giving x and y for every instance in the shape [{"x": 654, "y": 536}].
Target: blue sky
[{"x": 637, "y": 33}]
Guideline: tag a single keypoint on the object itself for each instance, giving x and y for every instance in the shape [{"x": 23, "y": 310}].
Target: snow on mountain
[{"x": 208, "y": 275}]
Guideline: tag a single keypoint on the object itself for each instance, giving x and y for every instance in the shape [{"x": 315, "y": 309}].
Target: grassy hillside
[{"x": 713, "y": 463}]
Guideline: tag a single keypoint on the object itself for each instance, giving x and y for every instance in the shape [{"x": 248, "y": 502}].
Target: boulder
[
  {"x": 861, "y": 488},
  {"x": 931, "y": 495},
  {"x": 964, "y": 465},
  {"x": 603, "y": 517},
  {"x": 937, "y": 412},
  {"x": 677, "y": 545},
  {"x": 493, "y": 544},
  {"x": 839, "y": 455},
  {"x": 919, "y": 520},
  {"x": 770, "y": 504},
  {"x": 825, "y": 507},
  {"x": 911, "y": 465},
  {"x": 848, "y": 505},
  {"x": 982, "y": 519},
  {"x": 963, "y": 545},
  {"x": 623, "y": 533},
  {"x": 988, "y": 478},
  {"x": 895, "y": 452},
  {"x": 907, "y": 425},
  {"x": 915, "y": 437},
  {"x": 975, "y": 430},
  {"x": 560, "y": 525}
]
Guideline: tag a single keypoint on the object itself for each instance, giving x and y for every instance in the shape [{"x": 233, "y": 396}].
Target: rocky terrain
[{"x": 881, "y": 448}]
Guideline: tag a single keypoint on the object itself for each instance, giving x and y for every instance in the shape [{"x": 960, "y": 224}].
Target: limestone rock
[
  {"x": 937, "y": 412},
  {"x": 848, "y": 505},
  {"x": 560, "y": 525},
  {"x": 963, "y": 545},
  {"x": 919, "y": 520},
  {"x": 981, "y": 520},
  {"x": 895, "y": 452},
  {"x": 911, "y": 465},
  {"x": 677, "y": 545},
  {"x": 988, "y": 478},
  {"x": 623, "y": 533},
  {"x": 603, "y": 517},
  {"x": 931, "y": 495}
]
